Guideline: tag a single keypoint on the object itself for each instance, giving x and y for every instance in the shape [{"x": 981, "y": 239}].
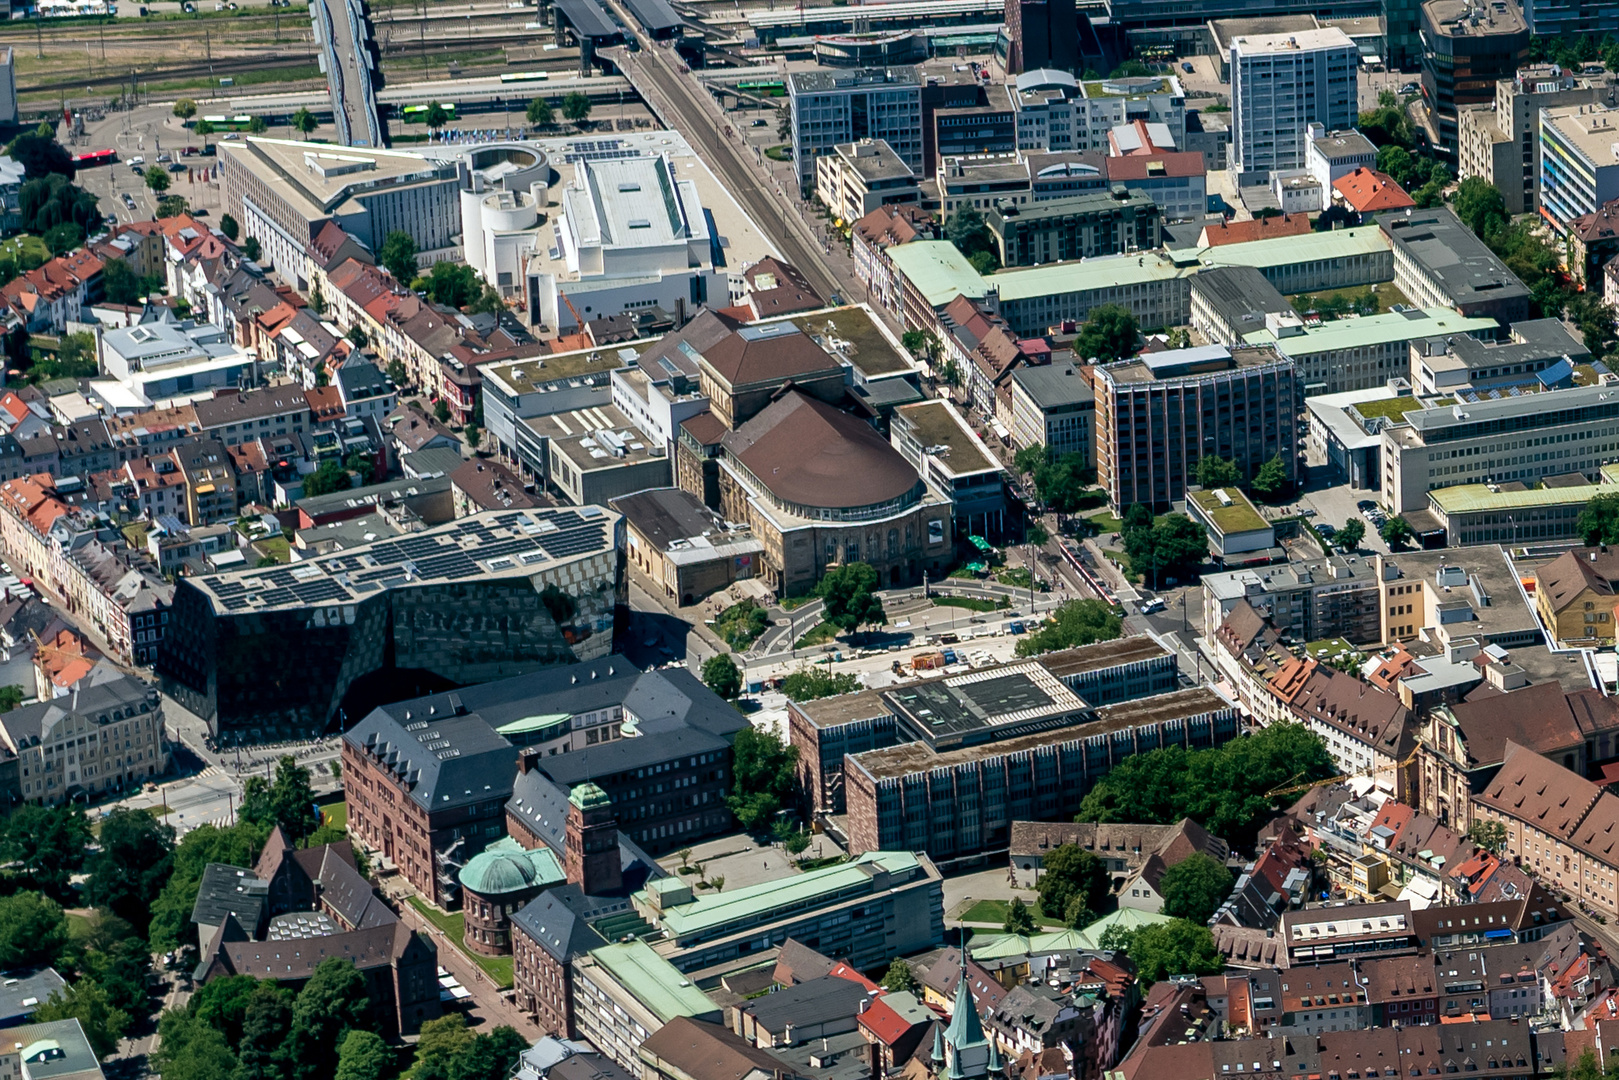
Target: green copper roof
[
  {"x": 587, "y": 796},
  {"x": 533, "y": 723},
  {"x": 965, "y": 1029},
  {"x": 654, "y": 982},
  {"x": 504, "y": 867}
]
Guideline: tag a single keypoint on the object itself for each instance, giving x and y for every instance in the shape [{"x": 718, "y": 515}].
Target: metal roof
[{"x": 588, "y": 18}]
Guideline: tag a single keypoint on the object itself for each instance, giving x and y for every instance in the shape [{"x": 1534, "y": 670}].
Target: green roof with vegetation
[
  {"x": 653, "y": 981},
  {"x": 754, "y": 904},
  {"x": 1239, "y": 517},
  {"x": 1478, "y": 498},
  {"x": 1393, "y": 408}
]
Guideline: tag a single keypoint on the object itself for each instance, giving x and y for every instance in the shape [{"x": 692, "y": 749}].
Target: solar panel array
[
  {"x": 456, "y": 552},
  {"x": 598, "y": 150}
]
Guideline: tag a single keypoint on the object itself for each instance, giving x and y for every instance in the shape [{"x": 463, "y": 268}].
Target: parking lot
[{"x": 1336, "y": 505}]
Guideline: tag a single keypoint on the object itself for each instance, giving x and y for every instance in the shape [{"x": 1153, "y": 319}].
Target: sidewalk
[{"x": 489, "y": 1005}]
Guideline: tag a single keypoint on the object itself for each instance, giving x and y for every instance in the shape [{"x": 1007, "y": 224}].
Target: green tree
[
  {"x": 330, "y": 477},
  {"x": 257, "y": 126},
  {"x": 132, "y": 866},
  {"x": 189, "y": 1049},
  {"x": 985, "y": 262},
  {"x": 848, "y": 597},
  {"x": 1069, "y": 873},
  {"x": 440, "y": 1043},
  {"x": 364, "y": 1056},
  {"x": 228, "y": 226},
  {"x": 43, "y": 846},
  {"x": 914, "y": 342},
  {"x": 171, "y": 913},
  {"x": 156, "y": 178},
  {"x": 1587, "y": 1067},
  {"x": 1598, "y": 522},
  {"x": 120, "y": 284},
  {"x": 436, "y": 116},
  {"x": 1136, "y": 516},
  {"x": 64, "y": 238},
  {"x": 1174, "y": 547},
  {"x": 1076, "y": 623},
  {"x": 1177, "y": 947},
  {"x": 398, "y": 255},
  {"x": 223, "y": 1004},
  {"x": 490, "y": 1057},
  {"x": 967, "y": 231},
  {"x": 1019, "y": 920},
  {"x": 1350, "y": 536},
  {"x": 1036, "y": 534},
  {"x": 1396, "y": 531},
  {"x": 721, "y": 675},
  {"x": 33, "y": 929},
  {"x": 1481, "y": 206},
  {"x": 1195, "y": 887},
  {"x": 288, "y": 801},
  {"x": 1387, "y": 125},
  {"x": 362, "y": 465},
  {"x": 1271, "y": 482},
  {"x": 1225, "y": 788},
  {"x": 86, "y": 1002},
  {"x": 1217, "y": 472},
  {"x": 1060, "y": 482},
  {"x": 40, "y": 156},
  {"x": 1489, "y": 835},
  {"x": 204, "y": 128},
  {"x": 250, "y": 249},
  {"x": 331, "y": 1003},
  {"x": 811, "y": 682},
  {"x": 397, "y": 373},
  {"x": 1110, "y": 333},
  {"x": 185, "y": 108},
  {"x": 576, "y": 107},
  {"x": 764, "y": 775},
  {"x": 453, "y": 284},
  {"x": 303, "y": 121},
  {"x": 1028, "y": 459},
  {"x": 899, "y": 978},
  {"x": 1595, "y": 319},
  {"x": 121, "y": 967},
  {"x": 45, "y": 203},
  {"x": 540, "y": 113}
]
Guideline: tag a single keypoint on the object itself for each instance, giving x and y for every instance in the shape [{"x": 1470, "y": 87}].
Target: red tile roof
[{"x": 1370, "y": 191}]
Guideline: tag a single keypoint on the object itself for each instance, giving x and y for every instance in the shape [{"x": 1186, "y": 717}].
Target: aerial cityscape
[{"x": 737, "y": 540}]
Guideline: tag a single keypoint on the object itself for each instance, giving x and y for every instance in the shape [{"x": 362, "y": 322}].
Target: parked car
[
  {"x": 1186, "y": 66},
  {"x": 1327, "y": 530},
  {"x": 1152, "y": 606}
]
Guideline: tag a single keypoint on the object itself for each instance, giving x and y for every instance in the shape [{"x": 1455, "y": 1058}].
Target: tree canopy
[
  {"x": 237, "y": 845},
  {"x": 576, "y": 107},
  {"x": 721, "y": 675},
  {"x": 43, "y": 846},
  {"x": 330, "y": 477},
  {"x": 1073, "y": 884},
  {"x": 764, "y": 773},
  {"x": 1177, "y": 947},
  {"x": 1078, "y": 622},
  {"x": 1272, "y": 483},
  {"x": 287, "y": 801},
  {"x": 1225, "y": 787},
  {"x": 1110, "y": 333},
  {"x": 1481, "y": 206},
  {"x": 1214, "y": 471},
  {"x": 540, "y": 113},
  {"x": 848, "y": 597},
  {"x": 1598, "y": 522},
  {"x": 135, "y": 860},
  {"x": 398, "y": 255},
  {"x": 41, "y": 156},
  {"x": 1195, "y": 887},
  {"x": 811, "y": 682},
  {"x": 1173, "y": 547}
]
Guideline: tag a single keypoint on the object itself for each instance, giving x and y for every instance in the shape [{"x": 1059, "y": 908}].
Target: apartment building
[
  {"x": 1281, "y": 84},
  {"x": 1578, "y": 171},
  {"x": 832, "y": 107},
  {"x": 1058, "y": 112},
  {"x": 857, "y": 178},
  {"x": 1075, "y": 227},
  {"x": 1310, "y": 600},
  {"x": 1467, "y": 47},
  {"x": 1158, "y": 414},
  {"x": 106, "y": 736},
  {"x": 1500, "y": 141},
  {"x": 1520, "y": 438}
]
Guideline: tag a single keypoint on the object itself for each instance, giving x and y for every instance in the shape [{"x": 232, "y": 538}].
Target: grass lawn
[
  {"x": 779, "y": 153},
  {"x": 1387, "y": 295},
  {"x": 454, "y": 925},
  {"x": 971, "y": 603},
  {"x": 819, "y": 634},
  {"x": 19, "y": 246},
  {"x": 335, "y": 814},
  {"x": 994, "y": 911},
  {"x": 1393, "y": 408},
  {"x": 793, "y": 603},
  {"x": 276, "y": 547}
]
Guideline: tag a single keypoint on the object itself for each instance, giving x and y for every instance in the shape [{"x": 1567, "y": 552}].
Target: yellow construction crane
[{"x": 1295, "y": 788}]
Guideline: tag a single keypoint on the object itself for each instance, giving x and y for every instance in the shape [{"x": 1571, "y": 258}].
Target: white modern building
[
  {"x": 160, "y": 361},
  {"x": 1281, "y": 84},
  {"x": 632, "y": 234},
  {"x": 1057, "y": 112},
  {"x": 857, "y": 178},
  {"x": 832, "y": 107},
  {"x": 1331, "y": 154},
  {"x": 1579, "y": 169},
  {"x": 503, "y": 187}
]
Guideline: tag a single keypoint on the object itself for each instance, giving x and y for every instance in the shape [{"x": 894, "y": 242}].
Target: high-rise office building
[
  {"x": 1041, "y": 34},
  {"x": 832, "y": 107},
  {"x": 1468, "y": 46},
  {"x": 1281, "y": 84}
]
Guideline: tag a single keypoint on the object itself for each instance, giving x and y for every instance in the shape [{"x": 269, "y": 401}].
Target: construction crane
[
  {"x": 577, "y": 318},
  {"x": 1296, "y": 788},
  {"x": 576, "y": 340}
]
